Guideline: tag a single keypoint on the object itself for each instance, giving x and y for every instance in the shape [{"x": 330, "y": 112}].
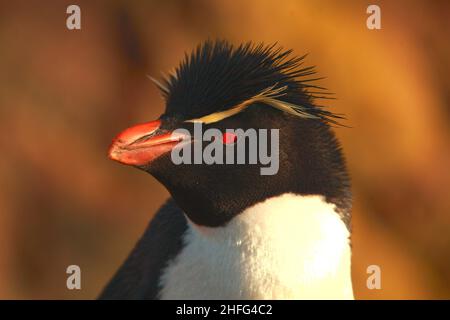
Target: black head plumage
[
  {"x": 250, "y": 84},
  {"x": 218, "y": 76}
]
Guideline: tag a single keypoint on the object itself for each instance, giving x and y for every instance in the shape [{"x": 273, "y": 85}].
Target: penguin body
[
  {"x": 229, "y": 232},
  {"x": 247, "y": 259},
  {"x": 287, "y": 247}
]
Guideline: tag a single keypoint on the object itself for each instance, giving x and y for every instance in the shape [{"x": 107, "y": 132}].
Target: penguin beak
[{"x": 142, "y": 143}]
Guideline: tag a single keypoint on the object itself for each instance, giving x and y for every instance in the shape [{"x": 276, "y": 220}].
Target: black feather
[{"x": 218, "y": 76}]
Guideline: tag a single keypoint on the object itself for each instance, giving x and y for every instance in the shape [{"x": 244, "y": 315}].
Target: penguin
[{"x": 228, "y": 231}]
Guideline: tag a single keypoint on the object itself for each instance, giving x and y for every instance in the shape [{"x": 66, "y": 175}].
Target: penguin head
[{"x": 265, "y": 93}]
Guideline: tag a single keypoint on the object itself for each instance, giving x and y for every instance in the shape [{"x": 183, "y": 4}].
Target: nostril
[{"x": 148, "y": 136}]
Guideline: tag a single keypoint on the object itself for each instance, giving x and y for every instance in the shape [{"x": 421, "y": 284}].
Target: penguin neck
[{"x": 286, "y": 247}]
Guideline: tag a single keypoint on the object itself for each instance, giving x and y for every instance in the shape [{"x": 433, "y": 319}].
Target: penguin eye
[{"x": 229, "y": 138}]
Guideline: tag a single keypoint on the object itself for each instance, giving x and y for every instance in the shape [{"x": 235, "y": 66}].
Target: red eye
[{"x": 229, "y": 138}]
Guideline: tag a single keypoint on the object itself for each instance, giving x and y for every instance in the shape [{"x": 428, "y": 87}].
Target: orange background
[{"x": 64, "y": 95}]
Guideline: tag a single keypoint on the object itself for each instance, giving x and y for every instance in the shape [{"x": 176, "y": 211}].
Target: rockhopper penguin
[{"x": 229, "y": 232}]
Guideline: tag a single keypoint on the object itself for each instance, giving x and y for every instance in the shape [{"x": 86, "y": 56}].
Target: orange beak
[{"x": 141, "y": 144}]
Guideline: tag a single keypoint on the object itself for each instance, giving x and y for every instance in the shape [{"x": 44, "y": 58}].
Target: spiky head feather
[{"x": 218, "y": 80}]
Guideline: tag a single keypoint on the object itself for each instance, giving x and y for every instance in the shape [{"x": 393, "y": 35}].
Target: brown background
[{"x": 64, "y": 94}]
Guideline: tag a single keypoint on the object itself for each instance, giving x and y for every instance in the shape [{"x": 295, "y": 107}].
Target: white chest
[{"x": 288, "y": 247}]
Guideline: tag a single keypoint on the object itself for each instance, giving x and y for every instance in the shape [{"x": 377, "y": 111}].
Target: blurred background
[{"x": 64, "y": 94}]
